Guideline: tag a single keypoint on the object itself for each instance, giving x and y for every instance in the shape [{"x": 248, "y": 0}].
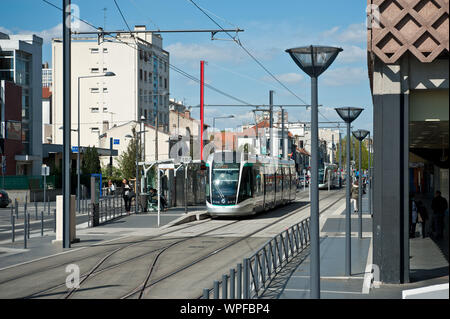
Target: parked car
[{"x": 4, "y": 199}]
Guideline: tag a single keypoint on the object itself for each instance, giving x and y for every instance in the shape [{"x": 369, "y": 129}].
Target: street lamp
[
  {"x": 78, "y": 153},
  {"x": 360, "y": 135},
  {"x": 314, "y": 60},
  {"x": 348, "y": 114},
  {"x": 220, "y": 117}
]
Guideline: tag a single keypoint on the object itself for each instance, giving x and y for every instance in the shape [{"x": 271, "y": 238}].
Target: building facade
[
  {"x": 408, "y": 53},
  {"x": 139, "y": 88},
  {"x": 21, "y": 63}
]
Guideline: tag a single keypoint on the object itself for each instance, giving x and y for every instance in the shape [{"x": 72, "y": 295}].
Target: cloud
[
  {"x": 352, "y": 53},
  {"x": 48, "y": 34},
  {"x": 354, "y": 33},
  {"x": 345, "y": 76}
]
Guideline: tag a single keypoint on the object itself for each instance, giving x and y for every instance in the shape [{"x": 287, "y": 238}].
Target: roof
[{"x": 46, "y": 93}]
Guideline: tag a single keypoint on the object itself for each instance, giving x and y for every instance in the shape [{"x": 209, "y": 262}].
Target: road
[{"x": 177, "y": 262}]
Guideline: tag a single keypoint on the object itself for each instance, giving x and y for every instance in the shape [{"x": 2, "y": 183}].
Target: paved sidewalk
[
  {"x": 428, "y": 264},
  {"x": 143, "y": 224}
]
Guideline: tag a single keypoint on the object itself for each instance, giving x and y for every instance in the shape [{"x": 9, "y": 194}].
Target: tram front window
[
  {"x": 224, "y": 183},
  {"x": 321, "y": 175}
]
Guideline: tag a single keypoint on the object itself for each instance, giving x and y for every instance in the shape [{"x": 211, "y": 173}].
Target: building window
[
  {"x": 160, "y": 82},
  {"x": 140, "y": 74},
  {"x": 94, "y": 50},
  {"x": 94, "y": 109},
  {"x": 95, "y": 130},
  {"x": 105, "y": 50},
  {"x": 145, "y": 96},
  {"x": 105, "y": 90},
  {"x": 105, "y": 109},
  {"x": 105, "y": 70},
  {"x": 94, "y": 90},
  {"x": 165, "y": 66},
  {"x": 94, "y": 70},
  {"x": 165, "y": 83},
  {"x": 145, "y": 76}
]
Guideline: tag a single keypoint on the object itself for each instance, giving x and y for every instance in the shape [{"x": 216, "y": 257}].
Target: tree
[
  {"x": 91, "y": 161},
  {"x": 127, "y": 160},
  {"x": 364, "y": 153}
]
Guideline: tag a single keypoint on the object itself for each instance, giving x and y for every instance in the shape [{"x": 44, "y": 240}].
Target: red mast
[{"x": 202, "y": 82}]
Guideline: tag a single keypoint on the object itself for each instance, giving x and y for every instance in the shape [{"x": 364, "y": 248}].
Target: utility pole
[
  {"x": 340, "y": 160},
  {"x": 66, "y": 121},
  {"x": 271, "y": 121}
]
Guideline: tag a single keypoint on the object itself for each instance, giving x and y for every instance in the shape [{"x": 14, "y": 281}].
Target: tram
[
  {"x": 240, "y": 184},
  {"x": 328, "y": 175}
]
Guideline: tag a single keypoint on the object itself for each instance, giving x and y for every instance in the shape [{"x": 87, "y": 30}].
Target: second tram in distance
[{"x": 241, "y": 184}]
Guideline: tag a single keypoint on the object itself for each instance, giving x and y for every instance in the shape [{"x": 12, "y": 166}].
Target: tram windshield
[
  {"x": 321, "y": 175},
  {"x": 224, "y": 183}
]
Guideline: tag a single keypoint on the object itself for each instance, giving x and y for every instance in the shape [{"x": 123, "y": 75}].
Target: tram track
[{"x": 142, "y": 288}]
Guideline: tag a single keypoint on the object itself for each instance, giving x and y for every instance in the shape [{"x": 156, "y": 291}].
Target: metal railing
[{"x": 251, "y": 277}]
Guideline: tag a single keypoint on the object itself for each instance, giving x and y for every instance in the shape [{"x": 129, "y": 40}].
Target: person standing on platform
[
  {"x": 127, "y": 195},
  {"x": 412, "y": 216},
  {"x": 439, "y": 205},
  {"x": 354, "y": 196},
  {"x": 422, "y": 217}
]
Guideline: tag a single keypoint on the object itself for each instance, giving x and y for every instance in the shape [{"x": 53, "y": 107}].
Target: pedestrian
[
  {"x": 413, "y": 212},
  {"x": 127, "y": 195},
  {"x": 354, "y": 196},
  {"x": 439, "y": 206},
  {"x": 422, "y": 217},
  {"x": 111, "y": 187}
]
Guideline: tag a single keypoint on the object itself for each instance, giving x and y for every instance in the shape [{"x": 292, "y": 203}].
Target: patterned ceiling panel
[{"x": 398, "y": 26}]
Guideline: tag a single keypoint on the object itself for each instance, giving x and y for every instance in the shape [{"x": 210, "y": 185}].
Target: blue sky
[{"x": 270, "y": 28}]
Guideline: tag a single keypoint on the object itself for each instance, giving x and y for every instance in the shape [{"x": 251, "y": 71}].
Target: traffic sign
[
  {"x": 74, "y": 149},
  {"x": 116, "y": 141},
  {"x": 45, "y": 171},
  {"x": 166, "y": 166}
]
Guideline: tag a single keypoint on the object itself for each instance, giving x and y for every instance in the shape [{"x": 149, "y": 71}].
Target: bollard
[
  {"x": 42, "y": 223},
  {"x": 35, "y": 209},
  {"x": 224, "y": 287},
  {"x": 54, "y": 220},
  {"x": 239, "y": 282},
  {"x": 28, "y": 225},
  {"x": 25, "y": 232},
  {"x": 216, "y": 289},
  {"x": 205, "y": 293},
  {"x": 13, "y": 228},
  {"x": 48, "y": 205},
  {"x": 232, "y": 283},
  {"x": 16, "y": 207},
  {"x": 246, "y": 283},
  {"x": 114, "y": 206}
]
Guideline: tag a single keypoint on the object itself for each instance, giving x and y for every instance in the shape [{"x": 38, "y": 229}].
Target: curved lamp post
[
  {"x": 314, "y": 60},
  {"x": 348, "y": 114},
  {"x": 360, "y": 136}
]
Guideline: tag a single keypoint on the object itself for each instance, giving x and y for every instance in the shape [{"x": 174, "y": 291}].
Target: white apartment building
[
  {"x": 139, "y": 88},
  {"x": 21, "y": 63}
]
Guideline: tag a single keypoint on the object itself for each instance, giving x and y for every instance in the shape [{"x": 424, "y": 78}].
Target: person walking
[
  {"x": 112, "y": 187},
  {"x": 422, "y": 217},
  {"x": 439, "y": 206},
  {"x": 354, "y": 196},
  {"x": 412, "y": 216},
  {"x": 127, "y": 195}
]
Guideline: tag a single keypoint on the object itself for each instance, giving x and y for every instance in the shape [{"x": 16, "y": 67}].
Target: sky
[{"x": 270, "y": 27}]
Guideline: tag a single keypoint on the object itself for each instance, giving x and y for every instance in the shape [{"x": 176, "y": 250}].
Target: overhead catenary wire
[
  {"x": 173, "y": 67},
  {"x": 239, "y": 43}
]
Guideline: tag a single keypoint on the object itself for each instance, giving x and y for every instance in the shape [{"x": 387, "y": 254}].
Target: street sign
[
  {"x": 116, "y": 141},
  {"x": 45, "y": 170},
  {"x": 74, "y": 149}
]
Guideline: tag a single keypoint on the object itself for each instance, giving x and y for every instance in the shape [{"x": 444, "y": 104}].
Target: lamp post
[
  {"x": 370, "y": 176},
  {"x": 360, "y": 136},
  {"x": 348, "y": 114},
  {"x": 78, "y": 153},
  {"x": 314, "y": 60},
  {"x": 221, "y": 117}
]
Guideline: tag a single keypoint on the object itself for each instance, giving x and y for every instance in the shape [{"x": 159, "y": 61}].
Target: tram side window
[
  {"x": 207, "y": 184},
  {"x": 245, "y": 190}
]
